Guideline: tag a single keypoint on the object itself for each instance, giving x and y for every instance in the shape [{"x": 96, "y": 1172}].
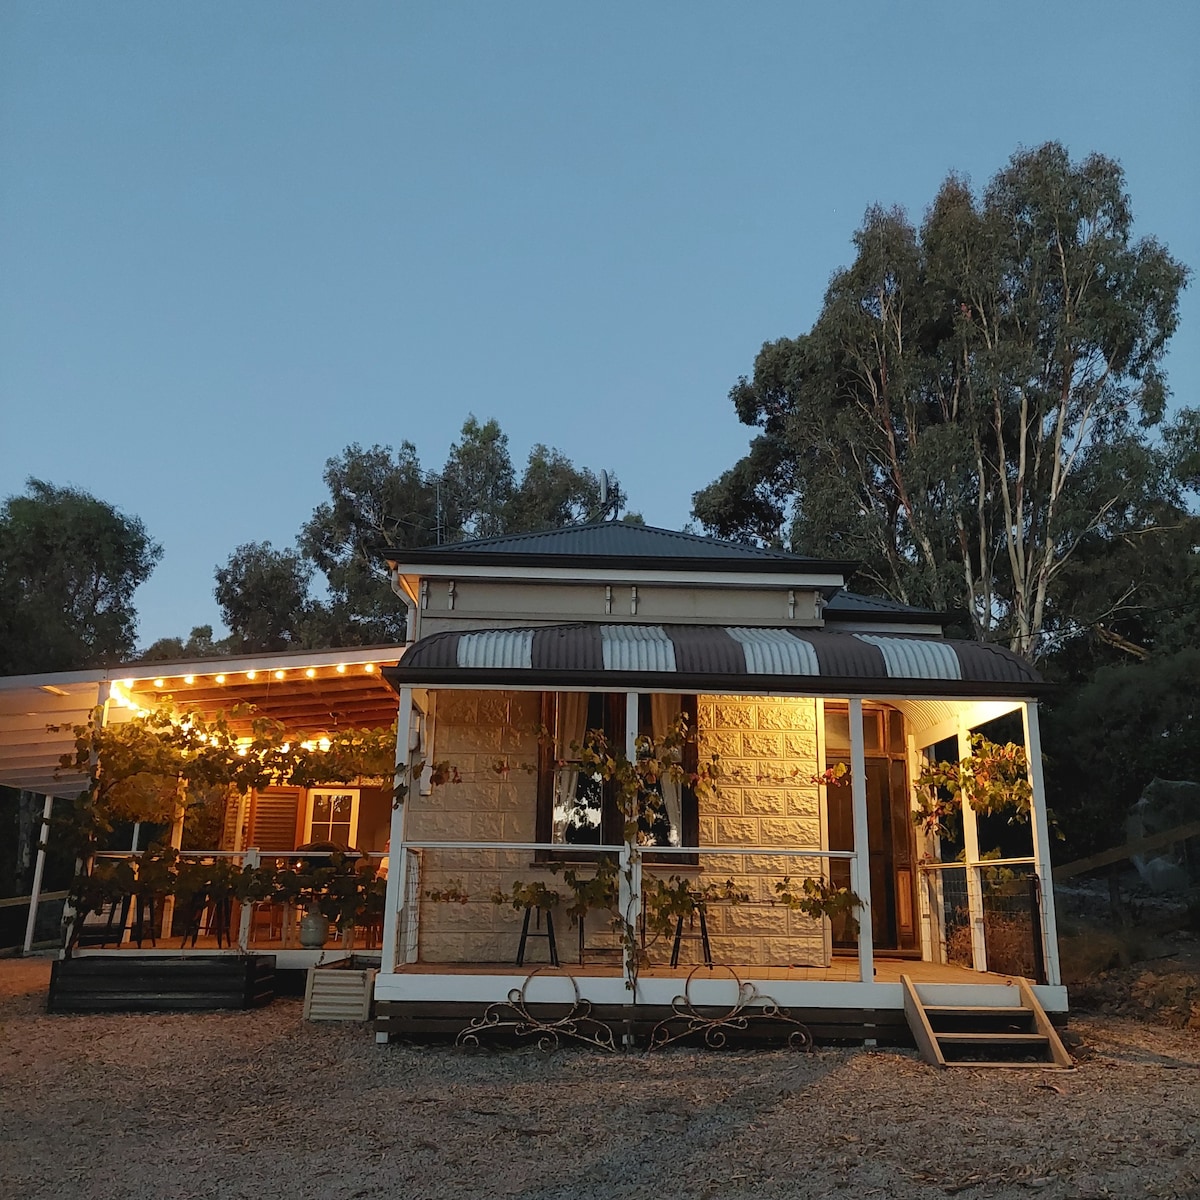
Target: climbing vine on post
[{"x": 993, "y": 779}]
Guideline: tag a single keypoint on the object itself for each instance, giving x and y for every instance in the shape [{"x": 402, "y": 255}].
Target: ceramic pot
[{"x": 314, "y": 929}]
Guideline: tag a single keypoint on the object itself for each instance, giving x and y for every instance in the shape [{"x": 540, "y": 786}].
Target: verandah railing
[
  {"x": 986, "y": 915},
  {"x": 741, "y": 903},
  {"x": 136, "y": 908}
]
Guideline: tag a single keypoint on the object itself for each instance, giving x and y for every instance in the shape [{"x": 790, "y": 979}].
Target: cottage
[
  {"x": 819, "y": 707},
  {"x": 524, "y": 881}
]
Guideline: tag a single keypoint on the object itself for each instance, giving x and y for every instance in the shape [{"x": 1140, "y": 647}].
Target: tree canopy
[
  {"x": 69, "y": 566},
  {"x": 979, "y": 410},
  {"x": 381, "y": 497}
]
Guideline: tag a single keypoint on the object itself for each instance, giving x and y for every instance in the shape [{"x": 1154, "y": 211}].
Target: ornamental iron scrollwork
[
  {"x": 546, "y": 1032},
  {"x": 749, "y": 1006}
]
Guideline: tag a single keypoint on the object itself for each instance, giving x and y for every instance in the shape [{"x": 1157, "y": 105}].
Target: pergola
[{"x": 311, "y": 692}]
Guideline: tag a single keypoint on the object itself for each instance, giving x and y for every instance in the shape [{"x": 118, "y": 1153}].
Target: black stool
[
  {"x": 548, "y": 935},
  {"x": 698, "y": 910}
]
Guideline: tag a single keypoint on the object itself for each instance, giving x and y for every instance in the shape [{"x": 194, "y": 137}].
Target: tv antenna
[{"x": 610, "y": 498}]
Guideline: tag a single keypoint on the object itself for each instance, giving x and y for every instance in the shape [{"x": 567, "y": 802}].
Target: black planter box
[{"x": 128, "y": 982}]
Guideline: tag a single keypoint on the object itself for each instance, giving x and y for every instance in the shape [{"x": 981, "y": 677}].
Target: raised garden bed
[{"x": 129, "y": 982}]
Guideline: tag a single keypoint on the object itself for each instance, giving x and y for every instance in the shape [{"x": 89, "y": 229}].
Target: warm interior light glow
[
  {"x": 220, "y": 678},
  {"x": 311, "y": 672},
  {"x": 278, "y": 674},
  {"x": 159, "y": 682},
  {"x": 127, "y": 684},
  {"x": 251, "y": 674},
  {"x": 308, "y": 745},
  {"x": 323, "y": 744},
  {"x": 369, "y": 668},
  {"x": 189, "y": 679}
]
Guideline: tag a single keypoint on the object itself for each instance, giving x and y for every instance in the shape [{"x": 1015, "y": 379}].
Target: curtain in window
[
  {"x": 572, "y": 725},
  {"x": 664, "y": 712}
]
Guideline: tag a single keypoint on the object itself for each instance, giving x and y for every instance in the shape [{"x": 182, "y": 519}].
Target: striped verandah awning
[{"x": 717, "y": 658}]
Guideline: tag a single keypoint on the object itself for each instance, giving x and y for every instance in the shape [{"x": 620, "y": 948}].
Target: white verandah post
[
  {"x": 1041, "y": 839},
  {"x": 860, "y": 864},
  {"x": 630, "y": 873},
  {"x": 971, "y": 852},
  {"x": 251, "y": 860},
  {"x": 39, "y": 869},
  {"x": 397, "y": 853}
]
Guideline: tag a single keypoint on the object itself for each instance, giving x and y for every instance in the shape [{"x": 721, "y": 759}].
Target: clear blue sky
[{"x": 236, "y": 237}]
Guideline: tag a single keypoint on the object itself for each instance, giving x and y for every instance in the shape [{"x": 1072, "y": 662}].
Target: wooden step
[
  {"x": 934, "y": 1043},
  {"x": 977, "y": 1010},
  {"x": 990, "y": 1063},
  {"x": 987, "y": 1038}
]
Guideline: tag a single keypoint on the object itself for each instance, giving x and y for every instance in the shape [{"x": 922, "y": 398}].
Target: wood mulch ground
[{"x": 261, "y": 1103}]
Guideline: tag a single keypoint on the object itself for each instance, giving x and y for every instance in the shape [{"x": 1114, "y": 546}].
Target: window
[
  {"x": 578, "y": 810},
  {"x": 332, "y": 816}
]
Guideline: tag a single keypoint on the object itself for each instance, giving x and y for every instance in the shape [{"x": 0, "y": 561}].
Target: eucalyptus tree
[
  {"x": 69, "y": 567},
  {"x": 263, "y": 595},
  {"x": 978, "y": 398}
]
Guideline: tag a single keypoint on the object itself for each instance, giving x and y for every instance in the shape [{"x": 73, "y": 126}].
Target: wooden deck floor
[{"x": 842, "y": 970}]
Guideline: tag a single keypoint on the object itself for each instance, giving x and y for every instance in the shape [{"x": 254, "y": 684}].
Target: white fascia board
[
  {"x": 602, "y": 575},
  {"x": 283, "y": 659},
  {"x": 60, "y": 679},
  {"x": 795, "y": 995},
  {"x": 867, "y": 626},
  {"x": 489, "y": 989}
]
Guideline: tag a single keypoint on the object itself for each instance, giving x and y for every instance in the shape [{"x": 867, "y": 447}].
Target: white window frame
[{"x": 313, "y": 793}]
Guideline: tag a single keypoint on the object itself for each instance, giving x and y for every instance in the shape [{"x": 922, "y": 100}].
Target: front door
[{"x": 890, "y": 833}]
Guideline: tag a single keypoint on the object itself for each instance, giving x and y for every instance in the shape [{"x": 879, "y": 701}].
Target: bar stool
[
  {"x": 548, "y": 935},
  {"x": 706, "y": 946}
]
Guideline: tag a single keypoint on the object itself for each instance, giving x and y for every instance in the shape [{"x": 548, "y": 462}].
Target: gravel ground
[{"x": 247, "y": 1104}]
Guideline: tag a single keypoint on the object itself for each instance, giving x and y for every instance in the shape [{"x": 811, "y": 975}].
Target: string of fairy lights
[{"x": 122, "y": 690}]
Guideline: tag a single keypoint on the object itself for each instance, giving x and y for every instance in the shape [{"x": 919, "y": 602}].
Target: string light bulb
[
  {"x": 220, "y": 678},
  {"x": 159, "y": 682},
  {"x": 251, "y": 674},
  {"x": 341, "y": 668},
  {"x": 369, "y": 668},
  {"x": 189, "y": 679},
  {"x": 311, "y": 672}
]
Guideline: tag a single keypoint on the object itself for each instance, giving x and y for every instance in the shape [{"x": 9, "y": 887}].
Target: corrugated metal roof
[
  {"x": 854, "y": 602},
  {"x": 636, "y": 648},
  {"x": 776, "y": 652},
  {"x": 496, "y": 648},
  {"x": 721, "y": 658},
  {"x": 915, "y": 658},
  {"x": 606, "y": 539}
]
